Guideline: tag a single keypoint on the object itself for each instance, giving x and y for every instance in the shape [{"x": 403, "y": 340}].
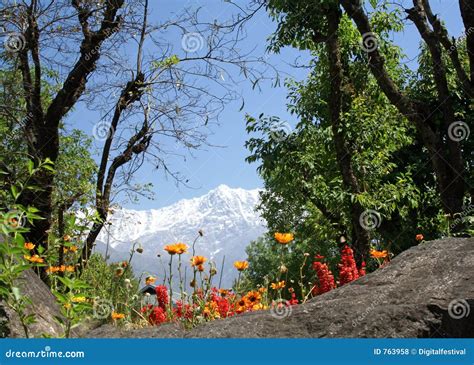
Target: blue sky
[{"x": 213, "y": 166}]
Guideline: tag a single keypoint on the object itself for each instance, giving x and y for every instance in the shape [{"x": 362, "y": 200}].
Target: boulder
[
  {"x": 43, "y": 305},
  {"x": 426, "y": 291}
]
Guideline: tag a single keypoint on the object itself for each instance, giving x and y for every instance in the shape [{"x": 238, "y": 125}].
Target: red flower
[
  {"x": 347, "y": 268},
  {"x": 185, "y": 311},
  {"x": 293, "y": 300},
  {"x": 162, "y": 296},
  {"x": 325, "y": 278},
  {"x": 157, "y": 316},
  {"x": 419, "y": 237},
  {"x": 319, "y": 257}
]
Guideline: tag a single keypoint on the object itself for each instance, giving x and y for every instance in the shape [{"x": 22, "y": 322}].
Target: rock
[
  {"x": 426, "y": 291},
  {"x": 43, "y": 305}
]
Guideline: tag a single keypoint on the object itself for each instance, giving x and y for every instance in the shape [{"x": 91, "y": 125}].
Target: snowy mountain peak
[{"x": 226, "y": 215}]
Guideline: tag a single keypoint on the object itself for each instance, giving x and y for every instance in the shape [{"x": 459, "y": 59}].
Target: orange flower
[
  {"x": 29, "y": 245},
  {"x": 119, "y": 272},
  {"x": 124, "y": 264},
  {"x": 378, "y": 254},
  {"x": 420, "y": 237},
  {"x": 116, "y": 315},
  {"x": 198, "y": 260},
  {"x": 284, "y": 238},
  {"x": 252, "y": 298},
  {"x": 69, "y": 268},
  {"x": 67, "y": 238},
  {"x": 223, "y": 292},
  {"x": 35, "y": 259},
  {"x": 73, "y": 248},
  {"x": 241, "y": 306},
  {"x": 278, "y": 286},
  {"x": 241, "y": 265},
  {"x": 150, "y": 280},
  {"x": 200, "y": 268},
  {"x": 177, "y": 248},
  {"x": 52, "y": 269},
  {"x": 262, "y": 290}
]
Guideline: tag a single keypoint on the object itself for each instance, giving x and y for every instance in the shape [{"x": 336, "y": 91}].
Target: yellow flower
[
  {"x": 259, "y": 306},
  {"x": 78, "y": 299},
  {"x": 29, "y": 246},
  {"x": 241, "y": 265},
  {"x": 198, "y": 260},
  {"x": 73, "y": 248},
  {"x": 284, "y": 238},
  {"x": 69, "y": 268},
  {"x": 252, "y": 298},
  {"x": 262, "y": 290},
  {"x": 35, "y": 259},
  {"x": 177, "y": 248},
  {"x": 211, "y": 310},
  {"x": 150, "y": 280},
  {"x": 67, "y": 305},
  {"x": 116, "y": 315},
  {"x": 278, "y": 286}
]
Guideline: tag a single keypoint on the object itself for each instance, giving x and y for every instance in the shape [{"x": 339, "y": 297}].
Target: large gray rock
[
  {"x": 43, "y": 305},
  {"x": 427, "y": 291}
]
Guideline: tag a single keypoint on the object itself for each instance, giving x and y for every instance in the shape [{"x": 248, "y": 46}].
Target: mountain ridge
[{"x": 226, "y": 216}]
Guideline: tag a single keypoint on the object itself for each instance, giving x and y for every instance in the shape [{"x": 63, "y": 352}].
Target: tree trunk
[
  {"x": 360, "y": 235},
  {"x": 446, "y": 158}
]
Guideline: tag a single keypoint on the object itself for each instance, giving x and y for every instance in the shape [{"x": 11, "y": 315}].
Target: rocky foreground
[{"x": 427, "y": 291}]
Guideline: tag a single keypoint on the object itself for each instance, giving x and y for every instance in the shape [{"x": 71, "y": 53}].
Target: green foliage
[
  {"x": 266, "y": 260},
  {"x": 74, "y": 306},
  {"x": 113, "y": 283},
  {"x": 304, "y": 192},
  {"x": 13, "y": 252}
]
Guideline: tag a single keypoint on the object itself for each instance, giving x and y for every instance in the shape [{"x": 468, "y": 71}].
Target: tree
[
  {"x": 445, "y": 151},
  {"x": 30, "y": 23},
  {"x": 162, "y": 94},
  {"x": 341, "y": 159},
  {"x": 434, "y": 126}
]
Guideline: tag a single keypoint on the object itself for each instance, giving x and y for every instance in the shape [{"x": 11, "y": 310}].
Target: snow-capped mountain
[{"x": 226, "y": 216}]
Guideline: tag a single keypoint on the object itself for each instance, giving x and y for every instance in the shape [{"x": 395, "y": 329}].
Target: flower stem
[{"x": 170, "y": 283}]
